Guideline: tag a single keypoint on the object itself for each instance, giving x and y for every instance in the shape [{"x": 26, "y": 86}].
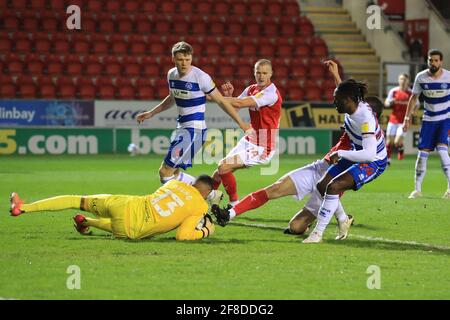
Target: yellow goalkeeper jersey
[{"x": 174, "y": 205}]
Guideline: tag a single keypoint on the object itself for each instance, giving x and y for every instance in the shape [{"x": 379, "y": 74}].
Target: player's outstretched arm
[
  {"x": 412, "y": 103},
  {"x": 334, "y": 69},
  {"x": 164, "y": 105},
  {"x": 229, "y": 109},
  {"x": 188, "y": 229},
  {"x": 367, "y": 154}
]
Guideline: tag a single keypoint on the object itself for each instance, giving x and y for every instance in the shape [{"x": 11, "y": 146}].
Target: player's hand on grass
[
  {"x": 334, "y": 158},
  {"x": 141, "y": 117},
  {"x": 227, "y": 89}
]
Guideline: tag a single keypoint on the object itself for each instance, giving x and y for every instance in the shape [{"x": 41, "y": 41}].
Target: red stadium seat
[
  {"x": 95, "y": 5},
  {"x": 295, "y": 93},
  {"x": 291, "y": 9},
  {"x": 5, "y": 45},
  {"x": 288, "y": 28},
  {"x": 19, "y": 4},
  {"x": 239, "y": 8},
  {"x": 35, "y": 67},
  {"x": 131, "y": 69},
  {"x": 231, "y": 49},
  {"x": 22, "y": 45},
  {"x": 316, "y": 71},
  {"x": 157, "y": 49},
  {"x": 167, "y": 7},
  {"x": 161, "y": 92},
  {"x": 302, "y": 50},
  {"x": 64, "y": 80},
  {"x": 125, "y": 26},
  {"x": 150, "y": 70},
  {"x": 113, "y": 68},
  {"x": 203, "y": 8},
  {"x": 213, "y": 49},
  {"x": 11, "y": 23},
  {"x": 47, "y": 91},
  {"x": 113, "y": 6},
  {"x": 306, "y": 28},
  {"x": 107, "y": 92},
  {"x": 273, "y": 8},
  {"x": 67, "y": 91},
  {"x": 15, "y": 67},
  {"x": 226, "y": 71},
  {"x": 267, "y": 50},
  {"x": 235, "y": 28},
  {"x": 145, "y": 93},
  {"x": 248, "y": 49},
  {"x": 313, "y": 93},
  {"x": 44, "y": 80},
  {"x": 27, "y": 90},
  {"x": 221, "y": 8},
  {"x": 119, "y": 47},
  {"x": 321, "y": 50},
  {"x": 61, "y": 46},
  {"x": 148, "y": 7},
  {"x": 138, "y": 47},
  {"x": 54, "y": 67},
  {"x": 89, "y": 24},
  {"x": 162, "y": 25},
  {"x": 285, "y": 51},
  {"x": 42, "y": 46},
  {"x": 217, "y": 28},
  {"x": 8, "y": 90},
  {"x": 131, "y": 6},
  {"x": 30, "y": 23},
  {"x": 104, "y": 81},
  {"x": 87, "y": 91},
  {"x": 93, "y": 68},
  {"x": 199, "y": 28},
  {"x": 253, "y": 29},
  {"x": 37, "y": 4},
  {"x": 81, "y": 47},
  {"x": 100, "y": 46},
  {"x": 74, "y": 68},
  {"x": 57, "y": 5},
  {"x": 106, "y": 24},
  {"x": 143, "y": 24},
  {"x": 185, "y": 7},
  {"x": 299, "y": 71},
  {"x": 126, "y": 92},
  {"x": 256, "y": 8},
  {"x": 180, "y": 27}
]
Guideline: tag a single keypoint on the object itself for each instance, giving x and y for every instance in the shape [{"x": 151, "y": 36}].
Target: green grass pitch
[{"x": 237, "y": 262}]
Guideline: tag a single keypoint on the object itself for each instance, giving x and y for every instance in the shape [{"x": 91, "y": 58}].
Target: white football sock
[
  {"x": 183, "y": 176},
  {"x": 232, "y": 213},
  {"x": 326, "y": 211},
  {"x": 164, "y": 180},
  {"x": 421, "y": 169},
  {"x": 340, "y": 214},
  {"x": 445, "y": 162}
]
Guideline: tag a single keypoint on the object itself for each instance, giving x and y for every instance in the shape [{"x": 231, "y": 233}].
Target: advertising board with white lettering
[{"x": 46, "y": 112}]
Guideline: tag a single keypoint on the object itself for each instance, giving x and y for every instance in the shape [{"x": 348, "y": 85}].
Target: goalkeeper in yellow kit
[{"x": 174, "y": 205}]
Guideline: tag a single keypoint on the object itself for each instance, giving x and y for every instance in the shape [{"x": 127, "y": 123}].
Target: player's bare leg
[
  {"x": 167, "y": 173},
  {"x": 300, "y": 223},
  {"x": 330, "y": 203}
]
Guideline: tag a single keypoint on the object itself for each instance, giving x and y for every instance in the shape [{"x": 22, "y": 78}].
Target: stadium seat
[
  {"x": 316, "y": 71},
  {"x": 256, "y": 8},
  {"x": 87, "y": 91},
  {"x": 37, "y": 4},
  {"x": 273, "y": 8},
  {"x": 27, "y": 90},
  {"x": 150, "y": 69},
  {"x": 180, "y": 28},
  {"x": 167, "y": 7},
  {"x": 57, "y": 5},
  {"x": 119, "y": 47},
  {"x": 30, "y": 22},
  {"x": 143, "y": 24},
  {"x": 148, "y": 7},
  {"x": 113, "y": 6},
  {"x": 95, "y": 5},
  {"x": 107, "y": 92},
  {"x": 267, "y": 51},
  {"x": 291, "y": 9},
  {"x": 285, "y": 51},
  {"x": 67, "y": 91},
  {"x": 299, "y": 71},
  {"x": 11, "y": 23},
  {"x": 295, "y": 93},
  {"x": 125, "y": 25},
  {"x": 203, "y": 8},
  {"x": 313, "y": 93},
  {"x": 126, "y": 92},
  {"x": 113, "y": 68},
  {"x": 106, "y": 24},
  {"x": 8, "y": 90},
  {"x": 35, "y": 67},
  {"x": 81, "y": 47},
  {"x": 185, "y": 7},
  {"x": 157, "y": 49},
  {"x": 15, "y": 67},
  {"x": 138, "y": 47},
  {"x": 5, "y": 45},
  {"x": 221, "y": 8},
  {"x": 239, "y": 8},
  {"x": 248, "y": 50},
  {"x": 162, "y": 25},
  {"x": 42, "y": 45},
  {"x": 145, "y": 93},
  {"x": 47, "y": 91},
  {"x": 131, "y": 69},
  {"x": 93, "y": 68}
]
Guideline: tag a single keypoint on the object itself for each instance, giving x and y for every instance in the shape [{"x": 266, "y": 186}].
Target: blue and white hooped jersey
[
  {"x": 190, "y": 93},
  {"x": 363, "y": 121},
  {"x": 436, "y": 93}
]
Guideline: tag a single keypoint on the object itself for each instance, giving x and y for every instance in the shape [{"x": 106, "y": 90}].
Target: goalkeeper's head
[{"x": 204, "y": 184}]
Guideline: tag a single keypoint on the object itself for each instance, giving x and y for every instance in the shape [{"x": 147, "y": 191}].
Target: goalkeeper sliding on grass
[{"x": 174, "y": 205}]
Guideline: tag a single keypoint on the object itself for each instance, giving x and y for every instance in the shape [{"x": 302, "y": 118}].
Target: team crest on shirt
[
  {"x": 188, "y": 86},
  {"x": 425, "y": 86},
  {"x": 259, "y": 94},
  {"x": 444, "y": 86},
  {"x": 365, "y": 127}
]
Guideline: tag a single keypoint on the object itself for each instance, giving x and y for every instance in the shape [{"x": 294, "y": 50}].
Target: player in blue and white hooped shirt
[
  {"x": 434, "y": 84},
  {"x": 188, "y": 88},
  {"x": 351, "y": 169}
]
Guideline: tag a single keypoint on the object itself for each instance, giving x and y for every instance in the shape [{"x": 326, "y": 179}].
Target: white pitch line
[{"x": 363, "y": 237}]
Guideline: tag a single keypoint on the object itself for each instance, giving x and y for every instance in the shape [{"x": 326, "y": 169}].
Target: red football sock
[
  {"x": 252, "y": 201},
  {"x": 217, "y": 180},
  {"x": 229, "y": 182},
  {"x": 389, "y": 151}
]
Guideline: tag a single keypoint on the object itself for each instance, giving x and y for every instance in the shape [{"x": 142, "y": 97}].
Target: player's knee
[
  {"x": 333, "y": 188},
  {"x": 223, "y": 168},
  {"x": 298, "y": 226}
]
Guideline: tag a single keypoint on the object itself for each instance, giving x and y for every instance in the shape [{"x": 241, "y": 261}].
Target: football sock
[
  {"x": 229, "y": 182},
  {"x": 326, "y": 211},
  {"x": 102, "y": 224},
  {"x": 217, "y": 180},
  {"x": 389, "y": 150},
  {"x": 445, "y": 162},
  {"x": 340, "y": 214},
  {"x": 421, "y": 169},
  {"x": 252, "y": 201},
  {"x": 187, "y": 178},
  {"x": 401, "y": 151},
  {"x": 164, "y": 180},
  {"x": 53, "y": 204}
]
